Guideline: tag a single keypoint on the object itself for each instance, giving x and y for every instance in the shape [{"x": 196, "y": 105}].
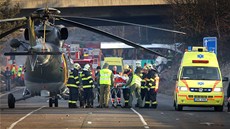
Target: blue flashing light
[{"x": 189, "y": 48}]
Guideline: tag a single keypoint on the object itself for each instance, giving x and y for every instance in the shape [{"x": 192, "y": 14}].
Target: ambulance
[
  {"x": 115, "y": 61},
  {"x": 199, "y": 81}
]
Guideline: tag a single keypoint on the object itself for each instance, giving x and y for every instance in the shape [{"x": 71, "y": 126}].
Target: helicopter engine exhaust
[{"x": 14, "y": 43}]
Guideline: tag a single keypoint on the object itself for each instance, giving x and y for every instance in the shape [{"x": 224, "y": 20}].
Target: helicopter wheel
[
  {"x": 11, "y": 101},
  {"x": 56, "y": 102},
  {"x": 50, "y": 102}
]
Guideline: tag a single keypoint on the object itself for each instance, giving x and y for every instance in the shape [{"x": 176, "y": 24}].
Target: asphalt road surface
[{"x": 34, "y": 113}]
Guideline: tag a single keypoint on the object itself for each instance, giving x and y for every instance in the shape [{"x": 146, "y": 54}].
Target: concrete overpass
[
  {"x": 152, "y": 12},
  {"x": 149, "y": 12},
  {"x": 85, "y": 3}
]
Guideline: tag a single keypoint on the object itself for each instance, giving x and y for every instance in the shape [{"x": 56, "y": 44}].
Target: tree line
[{"x": 203, "y": 18}]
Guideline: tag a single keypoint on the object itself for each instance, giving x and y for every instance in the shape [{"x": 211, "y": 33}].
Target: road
[{"x": 35, "y": 113}]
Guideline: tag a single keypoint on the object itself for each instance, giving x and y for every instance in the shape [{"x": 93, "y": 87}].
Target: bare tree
[
  {"x": 8, "y": 10},
  {"x": 201, "y": 18}
]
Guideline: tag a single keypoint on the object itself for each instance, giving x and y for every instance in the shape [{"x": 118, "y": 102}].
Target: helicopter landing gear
[
  {"x": 53, "y": 100},
  {"x": 11, "y": 101}
]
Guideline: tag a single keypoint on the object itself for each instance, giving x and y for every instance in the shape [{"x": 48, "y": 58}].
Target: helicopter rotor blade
[
  {"x": 13, "y": 19},
  {"x": 93, "y": 29},
  {"x": 11, "y": 31},
  {"x": 25, "y": 53},
  {"x": 32, "y": 35},
  {"x": 125, "y": 23}
]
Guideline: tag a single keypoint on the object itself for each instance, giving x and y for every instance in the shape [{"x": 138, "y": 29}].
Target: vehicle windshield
[{"x": 200, "y": 73}]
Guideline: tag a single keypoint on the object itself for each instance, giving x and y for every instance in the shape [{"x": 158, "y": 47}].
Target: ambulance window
[
  {"x": 200, "y": 73},
  {"x": 187, "y": 73}
]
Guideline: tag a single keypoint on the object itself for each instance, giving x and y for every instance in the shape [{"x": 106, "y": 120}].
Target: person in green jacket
[{"x": 134, "y": 84}]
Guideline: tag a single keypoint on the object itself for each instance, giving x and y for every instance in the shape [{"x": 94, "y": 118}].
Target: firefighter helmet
[
  {"x": 149, "y": 66},
  {"x": 87, "y": 67},
  {"x": 76, "y": 66},
  {"x": 126, "y": 67}
]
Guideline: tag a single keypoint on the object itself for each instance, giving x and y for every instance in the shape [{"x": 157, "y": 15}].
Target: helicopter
[{"x": 46, "y": 65}]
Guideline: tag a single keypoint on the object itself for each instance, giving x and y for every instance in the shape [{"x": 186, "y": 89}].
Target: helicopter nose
[{"x": 42, "y": 59}]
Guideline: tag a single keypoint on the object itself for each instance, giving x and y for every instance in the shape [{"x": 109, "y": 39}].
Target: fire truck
[{"x": 91, "y": 56}]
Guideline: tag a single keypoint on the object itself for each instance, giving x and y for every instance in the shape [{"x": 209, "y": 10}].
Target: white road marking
[
  {"x": 12, "y": 125},
  {"x": 207, "y": 123},
  {"x": 17, "y": 89},
  {"x": 89, "y": 122},
  {"x": 141, "y": 118},
  {"x": 191, "y": 114}
]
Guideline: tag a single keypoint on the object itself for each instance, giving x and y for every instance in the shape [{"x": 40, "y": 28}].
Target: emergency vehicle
[
  {"x": 199, "y": 81},
  {"x": 115, "y": 61}
]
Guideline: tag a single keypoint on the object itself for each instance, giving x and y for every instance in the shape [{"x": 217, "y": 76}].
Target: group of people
[
  {"x": 142, "y": 83},
  {"x": 14, "y": 74}
]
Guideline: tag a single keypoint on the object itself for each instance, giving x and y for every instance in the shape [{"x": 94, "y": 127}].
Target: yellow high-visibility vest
[
  {"x": 136, "y": 80},
  {"x": 105, "y": 76}
]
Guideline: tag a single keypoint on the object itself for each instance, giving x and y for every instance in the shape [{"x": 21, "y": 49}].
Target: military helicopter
[{"x": 46, "y": 65}]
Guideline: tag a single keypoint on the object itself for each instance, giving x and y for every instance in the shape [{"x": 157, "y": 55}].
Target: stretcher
[{"x": 116, "y": 90}]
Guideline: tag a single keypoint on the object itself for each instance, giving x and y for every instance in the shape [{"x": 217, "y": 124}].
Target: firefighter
[
  {"x": 105, "y": 79},
  {"x": 19, "y": 75},
  {"x": 14, "y": 72},
  {"x": 126, "y": 90},
  {"x": 87, "y": 85},
  {"x": 153, "y": 84},
  {"x": 144, "y": 87},
  {"x": 81, "y": 91},
  {"x": 73, "y": 85},
  {"x": 134, "y": 84}
]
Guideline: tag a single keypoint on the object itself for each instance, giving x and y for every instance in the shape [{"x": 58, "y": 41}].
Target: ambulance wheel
[
  {"x": 178, "y": 107},
  {"x": 50, "y": 102},
  {"x": 218, "y": 108},
  {"x": 56, "y": 102},
  {"x": 11, "y": 101}
]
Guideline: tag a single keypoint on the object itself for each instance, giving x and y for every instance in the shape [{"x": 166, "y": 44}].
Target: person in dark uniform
[
  {"x": 87, "y": 84},
  {"x": 126, "y": 91},
  {"x": 8, "y": 75},
  {"x": 228, "y": 96},
  {"x": 144, "y": 87},
  {"x": 73, "y": 85},
  {"x": 153, "y": 85}
]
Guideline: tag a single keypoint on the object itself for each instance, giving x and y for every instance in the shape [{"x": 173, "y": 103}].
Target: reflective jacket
[
  {"x": 143, "y": 80},
  {"x": 152, "y": 79},
  {"x": 87, "y": 80},
  {"x": 136, "y": 80},
  {"x": 19, "y": 72},
  {"x": 105, "y": 76},
  {"x": 73, "y": 80}
]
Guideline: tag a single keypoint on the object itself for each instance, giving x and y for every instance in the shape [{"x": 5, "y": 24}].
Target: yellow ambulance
[
  {"x": 115, "y": 61},
  {"x": 199, "y": 81}
]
